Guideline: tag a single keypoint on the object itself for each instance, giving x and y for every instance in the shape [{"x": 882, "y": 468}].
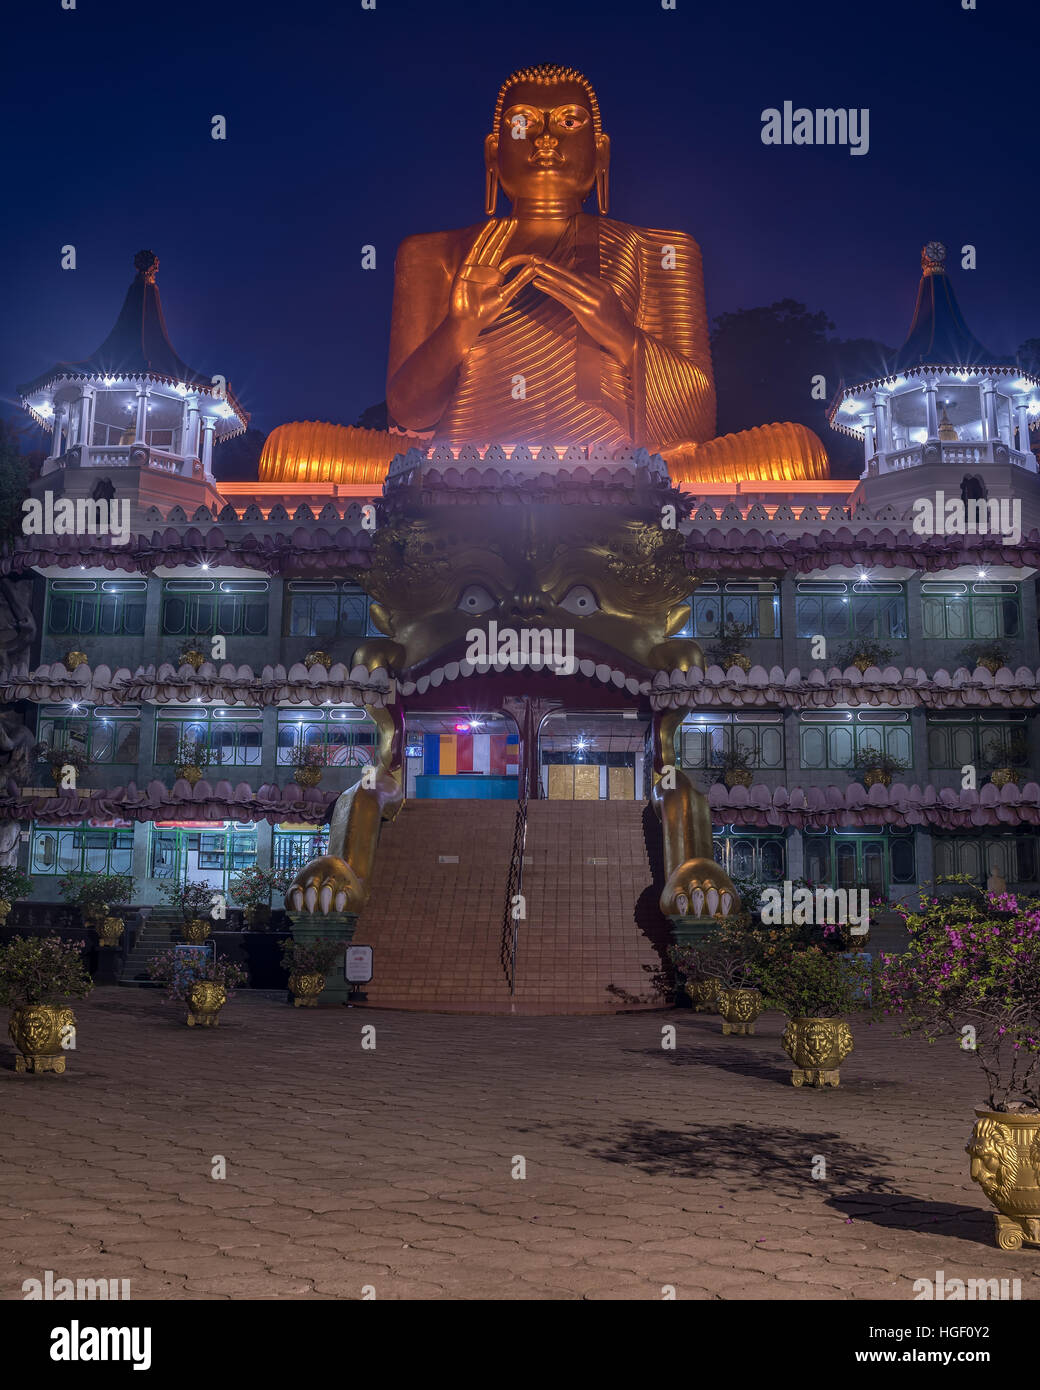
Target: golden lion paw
[
  {"x": 326, "y": 885},
  {"x": 699, "y": 888}
]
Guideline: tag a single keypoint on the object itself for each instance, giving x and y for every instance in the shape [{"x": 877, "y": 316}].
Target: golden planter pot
[
  {"x": 817, "y": 1047},
  {"x": 990, "y": 664},
  {"x": 736, "y": 659},
  {"x": 876, "y": 776},
  {"x": 305, "y": 988},
  {"x": 205, "y": 1001},
  {"x": 1005, "y": 1162},
  {"x": 317, "y": 658},
  {"x": 1002, "y": 776},
  {"x": 5, "y": 910},
  {"x": 307, "y": 776},
  {"x": 193, "y": 658},
  {"x": 110, "y": 931},
  {"x": 704, "y": 994},
  {"x": 36, "y": 1031},
  {"x": 190, "y": 773},
  {"x": 196, "y": 931},
  {"x": 738, "y": 777},
  {"x": 74, "y": 660},
  {"x": 739, "y": 1009}
]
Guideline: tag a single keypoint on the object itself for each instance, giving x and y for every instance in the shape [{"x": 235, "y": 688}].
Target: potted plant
[
  {"x": 726, "y": 957},
  {"x": 307, "y": 760},
  {"x": 61, "y": 758},
  {"x": 193, "y": 651},
  {"x": 317, "y": 658},
  {"x": 1003, "y": 765},
  {"x": 254, "y": 888},
  {"x": 972, "y": 971},
  {"x": 878, "y": 767},
  {"x": 991, "y": 656},
  {"x": 735, "y": 766},
  {"x": 190, "y": 757},
  {"x": 195, "y": 901},
  {"x": 814, "y": 986},
  {"x": 201, "y": 982},
  {"x": 728, "y": 648},
  {"x": 96, "y": 895},
  {"x": 702, "y": 989},
  {"x": 36, "y": 972},
  {"x": 308, "y": 963},
  {"x": 863, "y": 653},
  {"x": 13, "y": 885}
]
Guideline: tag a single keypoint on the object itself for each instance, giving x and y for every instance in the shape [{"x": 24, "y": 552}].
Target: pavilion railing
[{"x": 514, "y": 885}]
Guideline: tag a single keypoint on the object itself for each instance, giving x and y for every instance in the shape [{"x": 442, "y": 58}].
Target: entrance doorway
[{"x": 593, "y": 756}]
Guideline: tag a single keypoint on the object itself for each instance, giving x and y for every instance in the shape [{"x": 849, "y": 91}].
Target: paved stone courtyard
[{"x": 393, "y": 1168}]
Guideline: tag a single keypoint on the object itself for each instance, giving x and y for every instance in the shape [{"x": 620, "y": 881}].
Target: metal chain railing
[{"x": 514, "y": 883}]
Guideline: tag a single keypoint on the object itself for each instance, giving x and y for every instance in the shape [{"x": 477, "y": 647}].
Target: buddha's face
[{"x": 546, "y": 144}]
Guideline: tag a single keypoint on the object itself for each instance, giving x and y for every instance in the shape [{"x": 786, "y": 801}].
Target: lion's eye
[
  {"x": 475, "y": 599},
  {"x": 580, "y": 600}
]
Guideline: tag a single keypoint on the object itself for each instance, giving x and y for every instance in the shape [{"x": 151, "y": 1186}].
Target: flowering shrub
[
  {"x": 14, "y": 884},
  {"x": 94, "y": 892},
  {"x": 254, "y": 887},
  {"x": 178, "y": 970},
  {"x": 808, "y": 981},
  {"x": 311, "y": 957},
  {"x": 194, "y": 899},
  {"x": 973, "y": 969},
  {"x": 42, "y": 970}
]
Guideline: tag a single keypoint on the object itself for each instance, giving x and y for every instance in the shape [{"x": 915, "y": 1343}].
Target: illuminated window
[
  {"x": 832, "y": 741},
  {"x": 101, "y": 735},
  {"x": 223, "y": 737},
  {"x": 325, "y": 610},
  {"x": 980, "y": 611},
  {"x": 84, "y": 607},
  {"x": 231, "y": 607},
  {"x": 82, "y": 850},
  {"x": 754, "y": 604},
  {"x": 759, "y": 737},
  {"x": 848, "y": 609},
  {"x": 345, "y": 734},
  {"x": 983, "y": 741}
]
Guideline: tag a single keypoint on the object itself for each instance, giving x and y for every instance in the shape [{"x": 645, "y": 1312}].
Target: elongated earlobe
[
  {"x": 491, "y": 192},
  {"x": 603, "y": 190}
]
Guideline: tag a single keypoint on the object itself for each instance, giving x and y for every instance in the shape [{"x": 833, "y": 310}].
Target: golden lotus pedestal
[
  {"x": 36, "y": 1031},
  {"x": 739, "y": 1009},
  {"x": 1005, "y": 1162},
  {"x": 205, "y": 1000},
  {"x": 817, "y": 1046}
]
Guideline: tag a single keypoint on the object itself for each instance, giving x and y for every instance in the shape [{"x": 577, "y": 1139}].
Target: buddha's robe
[{"x": 573, "y": 391}]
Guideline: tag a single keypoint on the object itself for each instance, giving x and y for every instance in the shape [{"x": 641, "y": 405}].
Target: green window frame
[
  {"x": 325, "y": 609},
  {"x": 746, "y": 855},
  {"x": 1014, "y": 857},
  {"x": 761, "y": 737},
  {"x": 755, "y": 604},
  {"x": 850, "y": 609},
  {"x": 828, "y": 742},
  {"x": 232, "y": 737},
  {"x": 959, "y": 611},
  {"x": 80, "y": 849},
  {"x": 292, "y": 849},
  {"x": 95, "y": 607},
  {"x": 979, "y": 740},
  {"x": 231, "y": 607},
  {"x": 878, "y": 861},
  {"x": 103, "y": 735},
  {"x": 345, "y": 735},
  {"x": 219, "y": 854}
]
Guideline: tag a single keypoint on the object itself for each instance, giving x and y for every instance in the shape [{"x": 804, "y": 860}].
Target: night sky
[{"x": 348, "y": 127}]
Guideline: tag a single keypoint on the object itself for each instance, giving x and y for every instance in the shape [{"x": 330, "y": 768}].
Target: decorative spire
[
  {"x": 933, "y": 258},
  {"x": 146, "y": 263},
  {"x": 938, "y": 336}
]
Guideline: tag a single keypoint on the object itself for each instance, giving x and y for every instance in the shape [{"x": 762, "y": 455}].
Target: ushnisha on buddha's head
[{"x": 547, "y": 143}]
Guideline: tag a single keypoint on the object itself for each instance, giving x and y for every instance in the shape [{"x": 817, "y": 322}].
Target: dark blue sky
[{"x": 348, "y": 127}]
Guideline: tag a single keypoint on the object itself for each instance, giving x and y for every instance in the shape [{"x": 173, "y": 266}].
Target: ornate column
[
  {"x": 208, "y": 426},
  {"x": 931, "y": 408},
  {"x": 60, "y": 416},
  {"x": 190, "y": 439},
  {"x": 989, "y": 410},
  {"x": 86, "y": 416},
  {"x": 867, "y": 421},
  {"x": 882, "y": 436},
  {"x": 141, "y": 426},
  {"x": 1022, "y": 407}
]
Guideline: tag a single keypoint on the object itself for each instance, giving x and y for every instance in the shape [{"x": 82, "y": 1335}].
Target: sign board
[{"x": 357, "y": 964}]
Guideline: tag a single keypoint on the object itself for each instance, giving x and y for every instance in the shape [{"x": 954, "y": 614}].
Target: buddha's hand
[
  {"x": 480, "y": 291},
  {"x": 591, "y": 300}
]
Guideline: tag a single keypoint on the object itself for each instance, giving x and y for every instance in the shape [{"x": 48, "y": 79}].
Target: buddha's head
[{"x": 547, "y": 143}]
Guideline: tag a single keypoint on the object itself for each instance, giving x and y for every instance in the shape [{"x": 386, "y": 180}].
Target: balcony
[
  {"x": 138, "y": 455},
  {"x": 956, "y": 454}
]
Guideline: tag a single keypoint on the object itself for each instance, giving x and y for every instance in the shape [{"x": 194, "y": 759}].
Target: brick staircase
[
  {"x": 161, "y": 930},
  {"x": 594, "y": 935},
  {"x": 587, "y": 945},
  {"x": 436, "y": 928}
]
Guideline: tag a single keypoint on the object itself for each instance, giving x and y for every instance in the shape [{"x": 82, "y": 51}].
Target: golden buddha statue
[{"x": 551, "y": 326}]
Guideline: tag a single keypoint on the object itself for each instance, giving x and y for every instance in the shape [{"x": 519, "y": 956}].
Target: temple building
[{"x": 865, "y": 713}]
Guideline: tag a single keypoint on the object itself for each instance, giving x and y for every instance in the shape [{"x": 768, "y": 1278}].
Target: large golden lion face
[
  {"x": 994, "y": 1162},
  {"x": 618, "y": 583}
]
